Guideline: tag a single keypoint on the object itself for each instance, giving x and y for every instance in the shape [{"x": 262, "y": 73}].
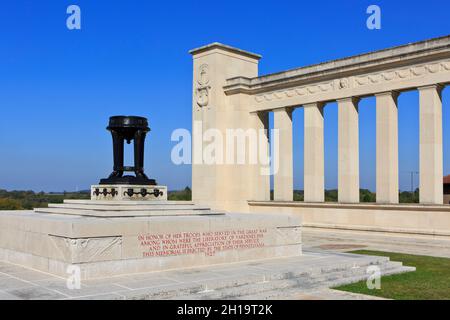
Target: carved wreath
[{"x": 203, "y": 87}]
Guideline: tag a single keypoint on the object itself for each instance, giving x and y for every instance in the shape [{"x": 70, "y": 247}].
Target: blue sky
[{"x": 58, "y": 86}]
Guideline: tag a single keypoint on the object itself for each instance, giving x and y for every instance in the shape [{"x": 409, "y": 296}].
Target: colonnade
[
  {"x": 387, "y": 186},
  {"x": 228, "y": 93}
]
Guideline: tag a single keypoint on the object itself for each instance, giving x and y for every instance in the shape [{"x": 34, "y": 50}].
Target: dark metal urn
[{"x": 128, "y": 128}]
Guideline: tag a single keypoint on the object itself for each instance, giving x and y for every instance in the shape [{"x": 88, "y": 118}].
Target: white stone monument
[{"x": 128, "y": 228}]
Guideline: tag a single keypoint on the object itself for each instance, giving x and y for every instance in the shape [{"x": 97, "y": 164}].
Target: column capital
[
  {"x": 352, "y": 99},
  {"x": 392, "y": 93},
  {"x": 314, "y": 104},
  {"x": 288, "y": 110},
  {"x": 436, "y": 86}
]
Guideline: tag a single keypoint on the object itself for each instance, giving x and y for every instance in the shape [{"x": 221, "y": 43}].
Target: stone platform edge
[{"x": 104, "y": 247}]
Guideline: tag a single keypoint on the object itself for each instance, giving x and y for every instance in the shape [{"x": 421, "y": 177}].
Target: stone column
[
  {"x": 431, "y": 166},
  {"x": 283, "y": 183},
  {"x": 313, "y": 153},
  {"x": 260, "y": 179},
  {"x": 348, "y": 150},
  {"x": 387, "y": 147}
]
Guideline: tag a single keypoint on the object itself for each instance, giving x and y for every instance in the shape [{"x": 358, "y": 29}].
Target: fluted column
[
  {"x": 431, "y": 166},
  {"x": 387, "y": 147},
  {"x": 348, "y": 151},
  {"x": 283, "y": 182},
  {"x": 313, "y": 153}
]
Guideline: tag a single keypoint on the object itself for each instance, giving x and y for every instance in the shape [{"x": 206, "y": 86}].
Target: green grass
[{"x": 430, "y": 281}]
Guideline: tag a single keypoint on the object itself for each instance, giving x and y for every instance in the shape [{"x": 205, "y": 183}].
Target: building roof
[{"x": 447, "y": 179}]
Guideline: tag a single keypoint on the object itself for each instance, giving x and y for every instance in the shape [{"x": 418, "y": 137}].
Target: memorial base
[
  {"x": 119, "y": 192},
  {"x": 107, "y": 239}
]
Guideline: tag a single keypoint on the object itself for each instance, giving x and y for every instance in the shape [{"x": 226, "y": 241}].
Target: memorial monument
[
  {"x": 120, "y": 187},
  {"x": 128, "y": 226}
]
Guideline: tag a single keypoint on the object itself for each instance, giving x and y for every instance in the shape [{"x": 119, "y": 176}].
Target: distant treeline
[
  {"x": 365, "y": 195},
  {"x": 27, "y": 200},
  {"x": 180, "y": 195}
]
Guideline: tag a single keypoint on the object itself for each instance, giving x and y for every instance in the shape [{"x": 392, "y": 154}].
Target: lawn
[{"x": 431, "y": 280}]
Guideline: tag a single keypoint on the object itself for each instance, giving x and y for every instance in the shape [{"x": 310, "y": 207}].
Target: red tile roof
[{"x": 447, "y": 179}]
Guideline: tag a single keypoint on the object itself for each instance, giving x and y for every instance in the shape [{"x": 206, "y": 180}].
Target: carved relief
[
  {"x": 325, "y": 87},
  {"x": 259, "y": 98},
  {"x": 301, "y": 91},
  {"x": 312, "y": 89},
  {"x": 373, "y": 78},
  {"x": 278, "y": 95},
  {"x": 343, "y": 83},
  {"x": 432, "y": 68},
  {"x": 362, "y": 80},
  {"x": 203, "y": 88},
  {"x": 388, "y": 76},
  {"x": 87, "y": 249},
  {"x": 418, "y": 71},
  {"x": 403, "y": 73},
  {"x": 290, "y": 93},
  {"x": 347, "y": 83}
]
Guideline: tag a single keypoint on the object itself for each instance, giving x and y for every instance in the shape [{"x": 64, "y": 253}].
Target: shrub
[{"x": 10, "y": 204}]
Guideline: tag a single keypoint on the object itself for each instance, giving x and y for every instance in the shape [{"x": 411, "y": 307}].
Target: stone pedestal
[
  {"x": 108, "y": 238},
  {"x": 119, "y": 192}
]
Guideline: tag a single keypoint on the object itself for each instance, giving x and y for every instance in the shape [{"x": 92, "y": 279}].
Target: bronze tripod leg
[
  {"x": 118, "y": 142},
  {"x": 139, "y": 140}
]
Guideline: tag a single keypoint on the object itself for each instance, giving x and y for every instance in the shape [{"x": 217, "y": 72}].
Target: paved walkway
[
  {"x": 304, "y": 277},
  {"x": 343, "y": 240}
]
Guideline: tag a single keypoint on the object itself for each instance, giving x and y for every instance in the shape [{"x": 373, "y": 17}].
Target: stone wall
[{"x": 405, "y": 219}]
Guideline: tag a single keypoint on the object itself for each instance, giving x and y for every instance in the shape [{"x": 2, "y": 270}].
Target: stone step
[
  {"x": 290, "y": 292},
  {"x": 127, "y": 202},
  {"x": 279, "y": 288},
  {"x": 119, "y": 207},
  {"x": 276, "y": 280},
  {"x": 334, "y": 279},
  {"x": 301, "y": 283},
  {"x": 126, "y": 213},
  {"x": 316, "y": 270}
]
